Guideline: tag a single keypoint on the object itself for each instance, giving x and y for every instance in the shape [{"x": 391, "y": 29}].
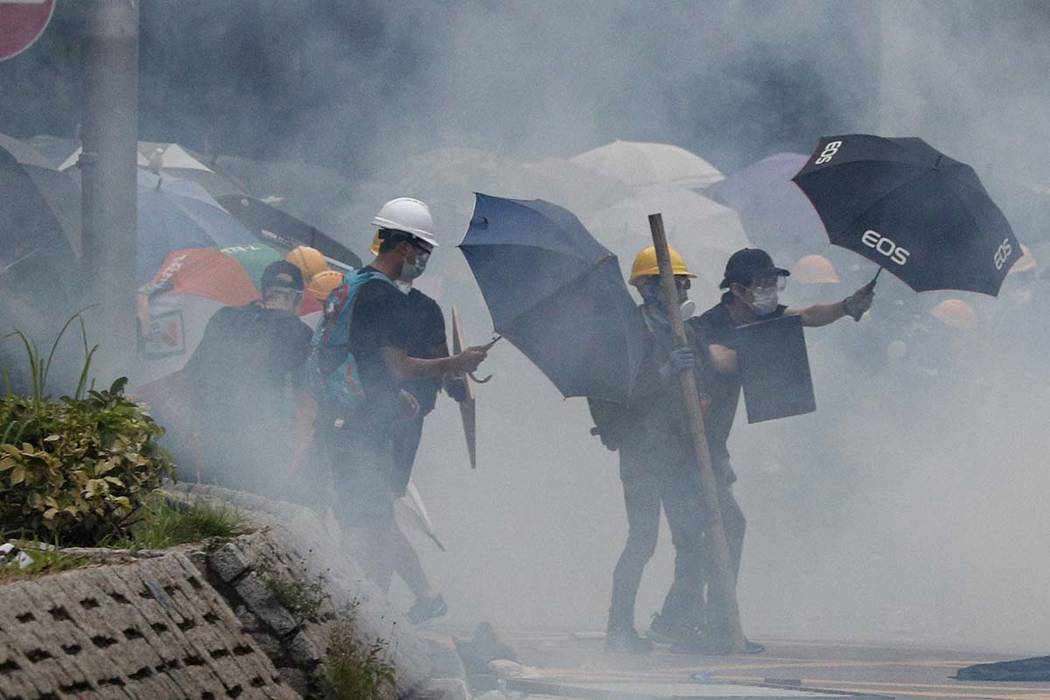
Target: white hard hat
[{"x": 408, "y": 215}]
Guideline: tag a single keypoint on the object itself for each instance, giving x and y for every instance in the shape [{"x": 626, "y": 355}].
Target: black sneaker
[
  {"x": 702, "y": 644},
  {"x": 426, "y": 609},
  {"x": 625, "y": 640},
  {"x": 753, "y": 647},
  {"x": 662, "y": 630}
]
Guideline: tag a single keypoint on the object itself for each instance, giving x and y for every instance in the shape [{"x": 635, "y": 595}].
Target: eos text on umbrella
[
  {"x": 828, "y": 153},
  {"x": 1003, "y": 253},
  {"x": 874, "y": 239}
]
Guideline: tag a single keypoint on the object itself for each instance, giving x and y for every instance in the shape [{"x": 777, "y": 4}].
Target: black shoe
[
  {"x": 426, "y": 609},
  {"x": 624, "y": 640},
  {"x": 664, "y": 630},
  {"x": 701, "y": 644},
  {"x": 753, "y": 647}
]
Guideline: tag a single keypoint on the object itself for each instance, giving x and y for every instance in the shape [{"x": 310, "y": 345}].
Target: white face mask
[
  {"x": 410, "y": 271},
  {"x": 764, "y": 300}
]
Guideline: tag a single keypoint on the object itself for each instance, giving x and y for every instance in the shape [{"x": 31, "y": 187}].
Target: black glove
[{"x": 456, "y": 387}]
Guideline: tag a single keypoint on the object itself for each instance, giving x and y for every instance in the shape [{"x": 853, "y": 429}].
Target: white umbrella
[
  {"x": 640, "y": 163},
  {"x": 703, "y": 231}
]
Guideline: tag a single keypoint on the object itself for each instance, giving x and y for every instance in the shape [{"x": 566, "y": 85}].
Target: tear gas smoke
[{"x": 910, "y": 506}]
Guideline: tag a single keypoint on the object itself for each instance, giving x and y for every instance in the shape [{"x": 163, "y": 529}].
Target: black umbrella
[
  {"x": 272, "y": 223},
  {"x": 911, "y": 209},
  {"x": 36, "y": 258},
  {"x": 556, "y": 294}
]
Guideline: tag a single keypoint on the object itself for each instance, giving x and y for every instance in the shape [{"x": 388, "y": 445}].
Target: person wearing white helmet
[
  {"x": 359, "y": 361},
  {"x": 427, "y": 339}
]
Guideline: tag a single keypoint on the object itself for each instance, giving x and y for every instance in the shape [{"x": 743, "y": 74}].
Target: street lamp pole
[{"x": 108, "y": 177}]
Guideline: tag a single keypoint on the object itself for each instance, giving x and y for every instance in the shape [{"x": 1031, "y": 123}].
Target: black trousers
[{"x": 665, "y": 476}]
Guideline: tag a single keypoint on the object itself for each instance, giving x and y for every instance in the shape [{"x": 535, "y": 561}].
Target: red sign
[{"x": 21, "y": 23}]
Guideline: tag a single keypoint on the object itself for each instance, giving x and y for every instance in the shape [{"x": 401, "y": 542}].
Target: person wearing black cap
[
  {"x": 241, "y": 376},
  {"x": 752, "y": 283}
]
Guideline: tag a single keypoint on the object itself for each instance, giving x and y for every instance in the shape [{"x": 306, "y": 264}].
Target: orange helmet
[
  {"x": 308, "y": 260},
  {"x": 322, "y": 284},
  {"x": 955, "y": 313},
  {"x": 815, "y": 269}
]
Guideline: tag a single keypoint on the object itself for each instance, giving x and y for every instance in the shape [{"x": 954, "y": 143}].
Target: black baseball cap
[
  {"x": 282, "y": 274},
  {"x": 747, "y": 264}
]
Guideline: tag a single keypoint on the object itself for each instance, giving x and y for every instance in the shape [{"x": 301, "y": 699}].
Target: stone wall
[
  {"x": 202, "y": 622},
  {"x": 149, "y": 629}
]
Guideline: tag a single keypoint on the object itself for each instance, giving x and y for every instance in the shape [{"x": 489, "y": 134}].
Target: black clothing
[
  {"x": 426, "y": 331},
  {"x": 377, "y": 321},
  {"x": 655, "y": 475},
  {"x": 716, "y": 327},
  {"x": 406, "y": 442},
  {"x": 658, "y": 468},
  {"x": 360, "y": 449},
  {"x": 239, "y": 378}
]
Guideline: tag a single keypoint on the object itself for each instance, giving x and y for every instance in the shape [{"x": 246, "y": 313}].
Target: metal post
[
  {"x": 723, "y": 581},
  {"x": 108, "y": 177}
]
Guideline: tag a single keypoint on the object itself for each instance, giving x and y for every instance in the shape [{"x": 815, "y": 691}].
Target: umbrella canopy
[
  {"x": 911, "y": 209},
  {"x": 775, "y": 213},
  {"x": 556, "y": 294},
  {"x": 703, "y": 231},
  {"x": 176, "y": 214},
  {"x": 289, "y": 231},
  {"x": 168, "y": 159},
  {"x": 36, "y": 259},
  {"x": 23, "y": 152},
  {"x": 188, "y": 288},
  {"x": 61, "y": 191},
  {"x": 640, "y": 163}
]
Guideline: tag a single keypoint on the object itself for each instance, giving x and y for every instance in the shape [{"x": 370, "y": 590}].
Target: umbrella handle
[{"x": 869, "y": 286}]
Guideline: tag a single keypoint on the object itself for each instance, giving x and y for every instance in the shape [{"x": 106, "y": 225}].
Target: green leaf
[{"x": 18, "y": 475}]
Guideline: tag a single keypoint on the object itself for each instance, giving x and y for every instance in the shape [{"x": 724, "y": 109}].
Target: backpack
[{"x": 332, "y": 368}]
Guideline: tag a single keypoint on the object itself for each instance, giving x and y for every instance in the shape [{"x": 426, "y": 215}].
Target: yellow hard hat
[
  {"x": 645, "y": 265},
  {"x": 322, "y": 284},
  {"x": 374, "y": 248},
  {"x": 815, "y": 269},
  {"x": 1024, "y": 263},
  {"x": 955, "y": 313},
  {"x": 308, "y": 260}
]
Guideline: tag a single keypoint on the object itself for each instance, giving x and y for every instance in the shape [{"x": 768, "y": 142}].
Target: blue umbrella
[
  {"x": 557, "y": 295},
  {"x": 176, "y": 214}
]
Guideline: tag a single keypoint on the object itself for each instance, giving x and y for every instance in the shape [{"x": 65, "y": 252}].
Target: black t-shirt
[
  {"x": 426, "y": 332},
  {"x": 244, "y": 361},
  {"x": 716, "y": 327},
  {"x": 377, "y": 321}
]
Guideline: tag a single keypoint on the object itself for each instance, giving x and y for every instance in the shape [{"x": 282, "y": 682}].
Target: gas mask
[{"x": 652, "y": 294}]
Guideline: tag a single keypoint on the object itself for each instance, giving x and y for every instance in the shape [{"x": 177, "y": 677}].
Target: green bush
[
  {"x": 356, "y": 670},
  {"x": 77, "y": 469}
]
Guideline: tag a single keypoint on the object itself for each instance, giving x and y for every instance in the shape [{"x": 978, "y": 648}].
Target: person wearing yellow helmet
[{"x": 657, "y": 472}]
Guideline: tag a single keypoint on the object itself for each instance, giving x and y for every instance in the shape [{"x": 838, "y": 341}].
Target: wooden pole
[{"x": 723, "y": 581}]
